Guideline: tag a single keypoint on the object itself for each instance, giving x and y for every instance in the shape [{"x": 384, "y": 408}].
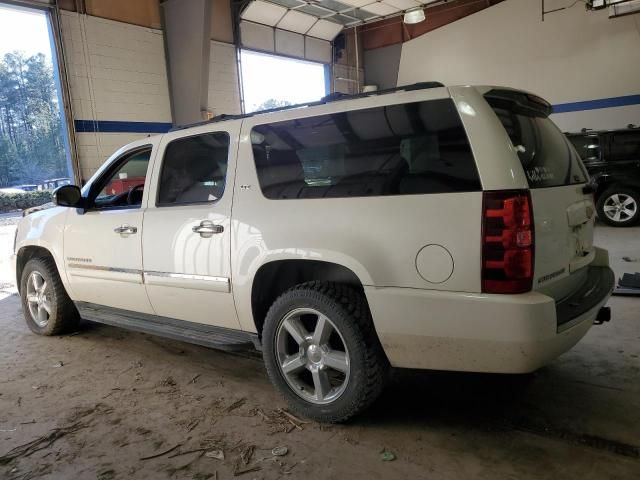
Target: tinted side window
[
  {"x": 625, "y": 146},
  {"x": 413, "y": 148},
  {"x": 194, "y": 170}
]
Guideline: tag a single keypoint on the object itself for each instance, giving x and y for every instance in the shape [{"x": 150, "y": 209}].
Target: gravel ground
[
  {"x": 10, "y": 220},
  {"x": 105, "y": 403}
]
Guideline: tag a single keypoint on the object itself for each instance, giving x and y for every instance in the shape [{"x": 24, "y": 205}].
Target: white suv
[{"x": 423, "y": 227}]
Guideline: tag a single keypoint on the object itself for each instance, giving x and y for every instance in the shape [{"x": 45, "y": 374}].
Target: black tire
[
  {"x": 63, "y": 316},
  {"x": 605, "y": 199},
  {"x": 348, "y": 312}
]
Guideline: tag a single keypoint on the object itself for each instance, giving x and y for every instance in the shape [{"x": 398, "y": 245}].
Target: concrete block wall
[
  {"x": 346, "y": 79},
  {"x": 224, "y": 87},
  {"x": 584, "y": 63},
  {"x": 118, "y": 85}
]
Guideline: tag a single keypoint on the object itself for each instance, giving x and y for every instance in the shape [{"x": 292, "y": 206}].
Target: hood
[{"x": 29, "y": 211}]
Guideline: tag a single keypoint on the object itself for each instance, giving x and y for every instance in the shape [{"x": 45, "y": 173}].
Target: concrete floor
[{"x": 120, "y": 396}]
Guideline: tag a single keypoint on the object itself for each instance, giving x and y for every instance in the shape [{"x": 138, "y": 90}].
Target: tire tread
[
  {"x": 66, "y": 316},
  {"x": 375, "y": 361}
]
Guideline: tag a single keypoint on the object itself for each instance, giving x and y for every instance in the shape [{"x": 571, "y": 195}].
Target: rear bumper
[
  {"x": 477, "y": 332},
  {"x": 599, "y": 284}
]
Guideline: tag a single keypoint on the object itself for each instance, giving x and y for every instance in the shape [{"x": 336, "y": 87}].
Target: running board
[{"x": 198, "y": 333}]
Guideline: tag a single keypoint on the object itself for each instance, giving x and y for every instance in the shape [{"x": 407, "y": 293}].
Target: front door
[
  {"x": 186, "y": 238},
  {"x": 102, "y": 245}
]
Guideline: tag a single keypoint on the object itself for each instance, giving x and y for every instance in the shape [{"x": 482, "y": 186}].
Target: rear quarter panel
[
  {"x": 500, "y": 169},
  {"x": 496, "y": 158},
  {"x": 378, "y": 238}
]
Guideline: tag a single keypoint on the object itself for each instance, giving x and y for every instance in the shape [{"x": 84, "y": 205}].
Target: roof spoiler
[{"x": 520, "y": 102}]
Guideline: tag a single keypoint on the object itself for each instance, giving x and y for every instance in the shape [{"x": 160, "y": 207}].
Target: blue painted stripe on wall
[
  {"x": 113, "y": 126},
  {"x": 599, "y": 103}
]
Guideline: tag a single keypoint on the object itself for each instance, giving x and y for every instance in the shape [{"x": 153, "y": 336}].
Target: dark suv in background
[{"x": 613, "y": 160}]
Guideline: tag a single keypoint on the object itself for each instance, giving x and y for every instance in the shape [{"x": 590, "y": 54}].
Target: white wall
[
  {"x": 116, "y": 72},
  {"x": 224, "y": 89},
  {"x": 572, "y": 56}
]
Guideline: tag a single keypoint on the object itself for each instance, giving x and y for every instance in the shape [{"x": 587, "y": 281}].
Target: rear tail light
[{"x": 507, "y": 241}]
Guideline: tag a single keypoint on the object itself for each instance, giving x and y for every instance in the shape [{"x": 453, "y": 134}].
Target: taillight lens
[{"x": 507, "y": 241}]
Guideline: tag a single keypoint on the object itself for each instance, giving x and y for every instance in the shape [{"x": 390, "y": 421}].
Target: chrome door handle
[
  {"x": 126, "y": 230},
  {"x": 207, "y": 229}
]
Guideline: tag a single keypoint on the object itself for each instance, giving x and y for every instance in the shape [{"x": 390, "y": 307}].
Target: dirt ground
[{"x": 105, "y": 403}]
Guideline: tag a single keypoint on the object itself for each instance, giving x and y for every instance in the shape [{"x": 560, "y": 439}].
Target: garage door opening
[
  {"x": 270, "y": 81},
  {"x": 34, "y": 151}
]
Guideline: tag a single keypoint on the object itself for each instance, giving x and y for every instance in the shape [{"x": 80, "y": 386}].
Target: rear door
[
  {"x": 563, "y": 212},
  {"x": 187, "y": 229}
]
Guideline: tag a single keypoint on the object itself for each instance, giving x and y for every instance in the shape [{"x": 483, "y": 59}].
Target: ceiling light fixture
[{"x": 414, "y": 16}]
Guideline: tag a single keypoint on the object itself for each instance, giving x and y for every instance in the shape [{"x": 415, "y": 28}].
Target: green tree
[
  {"x": 31, "y": 141},
  {"x": 272, "y": 103}
]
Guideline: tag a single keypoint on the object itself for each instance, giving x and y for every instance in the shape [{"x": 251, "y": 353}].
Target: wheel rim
[
  {"x": 38, "y": 299},
  {"x": 312, "y": 356},
  {"x": 620, "y": 207}
]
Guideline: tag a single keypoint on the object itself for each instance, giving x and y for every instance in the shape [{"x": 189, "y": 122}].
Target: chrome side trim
[
  {"x": 104, "y": 269},
  {"x": 189, "y": 276},
  {"x": 105, "y": 273},
  {"x": 165, "y": 279},
  {"x": 187, "y": 280}
]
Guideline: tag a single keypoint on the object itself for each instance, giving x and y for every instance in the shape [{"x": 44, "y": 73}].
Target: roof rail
[{"x": 332, "y": 97}]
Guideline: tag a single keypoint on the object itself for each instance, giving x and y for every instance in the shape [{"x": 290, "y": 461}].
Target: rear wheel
[
  {"x": 47, "y": 308},
  {"x": 322, "y": 353},
  {"x": 619, "y": 206}
]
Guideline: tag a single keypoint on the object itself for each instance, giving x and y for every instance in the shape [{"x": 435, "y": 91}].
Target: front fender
[{"x": 44, "y": 229}]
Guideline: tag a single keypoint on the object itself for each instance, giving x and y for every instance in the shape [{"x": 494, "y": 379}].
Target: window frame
[
  {"x": 99, "y": 183},
  {"x": 162, "y": 166}
]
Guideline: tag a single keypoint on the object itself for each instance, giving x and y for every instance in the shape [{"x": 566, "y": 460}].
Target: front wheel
[
  {"x": 619, "y": 207},
  {"x": 322, "y": 353},
  {"x": 47, "y": 308}
]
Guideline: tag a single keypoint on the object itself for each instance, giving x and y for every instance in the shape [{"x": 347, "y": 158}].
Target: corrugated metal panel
[
  {"x": 317, "y": 50},
  {"x": 289, "y": 43},
  {"x": 257, "y": 37}
]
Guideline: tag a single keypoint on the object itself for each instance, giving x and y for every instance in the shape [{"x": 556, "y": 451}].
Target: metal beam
[{"x": 187, "y": 42}]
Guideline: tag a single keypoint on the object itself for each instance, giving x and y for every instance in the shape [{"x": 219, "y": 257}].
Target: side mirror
[{"x": 68, "y": 196}]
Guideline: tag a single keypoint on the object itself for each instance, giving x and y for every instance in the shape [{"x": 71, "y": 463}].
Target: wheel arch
[
  {"x": 607, "y": 182},
  {"x": 28, "y": 252},
  {"x": 274, "y": 278}
]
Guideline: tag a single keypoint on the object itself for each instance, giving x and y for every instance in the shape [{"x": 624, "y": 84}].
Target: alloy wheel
[
  {"x": 38, "y": 299},
  {"x": 312, "y": 356},
  {"x": 620, "y": 207}
]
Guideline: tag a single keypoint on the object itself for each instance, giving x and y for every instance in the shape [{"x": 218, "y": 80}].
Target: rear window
[
  {"x": 413, "y": 148},
  {"x": 546, "y": 155}
]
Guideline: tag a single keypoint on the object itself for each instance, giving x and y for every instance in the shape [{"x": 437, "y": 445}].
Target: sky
[
  {"x": 293, "y": 80},
  {"x": 23, "y": 30}
]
